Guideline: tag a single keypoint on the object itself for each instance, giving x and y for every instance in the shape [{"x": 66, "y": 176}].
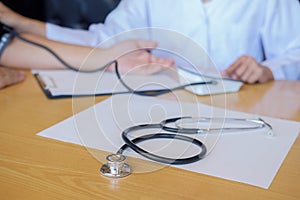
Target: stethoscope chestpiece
[{"x": 115, "y": 166}]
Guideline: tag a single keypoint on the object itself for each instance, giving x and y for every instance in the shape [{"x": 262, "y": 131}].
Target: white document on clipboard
[{"x": 67, "y": 83}]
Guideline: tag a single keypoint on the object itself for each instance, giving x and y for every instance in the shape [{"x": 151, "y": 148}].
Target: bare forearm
[
  {"x": 32, "y": 26},
  {"x": 20, "y": 54}
]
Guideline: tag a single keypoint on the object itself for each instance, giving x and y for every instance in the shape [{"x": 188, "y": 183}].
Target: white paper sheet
[{"x": 247, "y": 157}]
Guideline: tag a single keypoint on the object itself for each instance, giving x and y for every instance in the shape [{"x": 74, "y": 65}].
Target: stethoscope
[{"x": 116, "y": 167}]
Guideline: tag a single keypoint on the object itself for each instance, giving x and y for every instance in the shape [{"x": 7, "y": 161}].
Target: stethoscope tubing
[
  {"x": 133, "y": 145},
  {"x": 177, "y": 134}
]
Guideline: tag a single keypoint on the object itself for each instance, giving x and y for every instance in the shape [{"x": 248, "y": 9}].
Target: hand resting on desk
[
  {"x": 10, "y": 77},
  {"x": 248, "y": 70}
]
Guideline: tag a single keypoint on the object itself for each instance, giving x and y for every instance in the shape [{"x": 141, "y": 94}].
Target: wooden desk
[{"x": 34, "y": 167}]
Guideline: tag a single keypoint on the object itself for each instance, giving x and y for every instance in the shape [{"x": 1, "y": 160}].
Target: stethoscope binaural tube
[
  {"x": 133, "y": 145},
  {"x": 179, "y": 128}
]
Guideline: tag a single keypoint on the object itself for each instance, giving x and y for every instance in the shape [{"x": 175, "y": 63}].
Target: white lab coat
[{"x": 268, "y": 30}]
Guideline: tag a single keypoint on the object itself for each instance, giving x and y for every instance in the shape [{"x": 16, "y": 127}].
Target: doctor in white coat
[{"x": 253, "y": 41}]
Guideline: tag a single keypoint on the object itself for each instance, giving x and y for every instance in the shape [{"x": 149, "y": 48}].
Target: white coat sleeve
[
  {"x": 69, "y": 35},
  {"x": 281, "y": 39}
]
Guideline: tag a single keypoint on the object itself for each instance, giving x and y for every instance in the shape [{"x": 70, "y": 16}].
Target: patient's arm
[{"x": 20, "y": 54}]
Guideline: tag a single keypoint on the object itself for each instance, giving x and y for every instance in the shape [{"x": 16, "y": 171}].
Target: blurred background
[{"x": 69, "y": 13}]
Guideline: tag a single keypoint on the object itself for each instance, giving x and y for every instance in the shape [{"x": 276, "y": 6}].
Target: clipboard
[
  {"x": 62, "y": 84},
  {"x": 66, "y": 83}
]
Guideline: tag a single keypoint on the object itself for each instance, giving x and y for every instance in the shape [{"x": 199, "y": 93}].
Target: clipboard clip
[{"x": 46, "y": 81}]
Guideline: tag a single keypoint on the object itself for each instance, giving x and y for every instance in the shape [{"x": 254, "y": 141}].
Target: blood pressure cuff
[{"x": 6, "y": 35}]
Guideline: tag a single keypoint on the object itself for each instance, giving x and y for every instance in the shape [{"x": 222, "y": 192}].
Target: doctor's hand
[
  {"x": 248, "y": 70},
  {"x": 10, "y": 77},
  {"x": 134, "y": 56}
]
